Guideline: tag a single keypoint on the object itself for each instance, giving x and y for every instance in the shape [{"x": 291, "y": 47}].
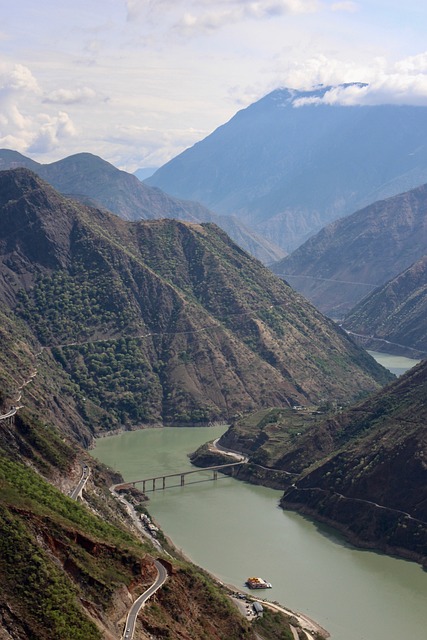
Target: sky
[{"x": 138, "y": 81}]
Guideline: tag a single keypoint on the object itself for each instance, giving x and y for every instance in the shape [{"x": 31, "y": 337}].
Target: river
[{"x": 235, "y": 530}]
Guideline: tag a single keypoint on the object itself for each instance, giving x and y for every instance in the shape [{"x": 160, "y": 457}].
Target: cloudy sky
[{"x": 138, "y": 81}]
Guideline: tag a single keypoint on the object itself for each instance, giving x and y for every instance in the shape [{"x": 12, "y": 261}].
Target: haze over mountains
[
  {"x": 289, "y": 163},
  {"x": 350, "y": 257},
  {"x": 94, "y": 181}
]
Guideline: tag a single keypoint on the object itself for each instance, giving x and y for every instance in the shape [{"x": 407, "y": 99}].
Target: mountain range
[
  {"x": 107, "y": 323},
  {"x": 291, "y": 163},
  {"x": 93, "y": 181},
  {"x": 351, "y": 257}
]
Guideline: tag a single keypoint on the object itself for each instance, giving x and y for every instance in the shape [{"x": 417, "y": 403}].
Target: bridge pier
[
  {"x": 182, "y": 479},
  {"x": 215, "y": 474}
]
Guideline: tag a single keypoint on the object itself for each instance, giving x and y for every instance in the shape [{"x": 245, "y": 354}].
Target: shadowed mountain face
[
  {"x": 394, "y": 317},
  {"x": 93, "y": 181},
  {"x": 370, "y": 478},
  {"x": 287, "y": 168},
  {"x": 349, "y": 258},
  {"x": 164, "y": 320}
]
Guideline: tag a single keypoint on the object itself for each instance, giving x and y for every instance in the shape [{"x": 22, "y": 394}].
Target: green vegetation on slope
[
  {"x": 54, "y": 552},
  {"x": 46, "y": 599}
]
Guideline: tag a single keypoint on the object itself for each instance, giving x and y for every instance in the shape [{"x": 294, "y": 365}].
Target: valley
[
  {"x": 127, "y": 325},
  {"x": 213, "y": 320}
]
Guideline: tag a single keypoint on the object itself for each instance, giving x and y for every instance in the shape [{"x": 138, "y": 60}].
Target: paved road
[
  {"x": 77, "y": 493},
  {"x": 132, "y": 615},
  {"x": 234, "y": 454}
]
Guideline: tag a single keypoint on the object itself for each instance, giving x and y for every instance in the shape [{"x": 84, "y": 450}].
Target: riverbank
[{"x": 302, "y": 620}]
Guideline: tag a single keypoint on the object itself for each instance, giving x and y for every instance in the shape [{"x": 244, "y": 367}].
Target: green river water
[{"x": 235, "y": 530}]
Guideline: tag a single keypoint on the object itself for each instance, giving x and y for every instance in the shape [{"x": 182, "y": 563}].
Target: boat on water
[{"x": 258, "y": 583}]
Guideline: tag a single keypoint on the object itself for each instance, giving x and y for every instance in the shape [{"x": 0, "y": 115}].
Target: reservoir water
[
  {"x": 396, "y": 364},
  {"x": 235, "y": 530}
]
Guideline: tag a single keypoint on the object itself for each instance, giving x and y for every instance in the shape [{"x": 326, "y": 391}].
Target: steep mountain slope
[
  {"x": 158, "y": 320},
  {"x": 70, "y": 571},
  {"x": 369, "y": 472},
  {"x": 395, "y": 313},
  {"x": 96, "y": 182},
  {"x": 362, "y": 470},
  {"x": 289, "y": 164},
  {"x": 164, "y": 319},
  {"x": 349, "y": 258}
]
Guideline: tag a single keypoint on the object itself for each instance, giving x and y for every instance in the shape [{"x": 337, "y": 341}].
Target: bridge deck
[{"x": 181, "y": 475}]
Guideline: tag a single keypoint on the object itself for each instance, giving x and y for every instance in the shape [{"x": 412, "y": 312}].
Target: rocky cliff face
[
  {"x": 394, "y": 317},
  {"x": 349, "y": 258}
]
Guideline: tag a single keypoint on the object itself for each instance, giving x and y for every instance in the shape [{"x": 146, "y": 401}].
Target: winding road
[{"x": 162, "y": 575}]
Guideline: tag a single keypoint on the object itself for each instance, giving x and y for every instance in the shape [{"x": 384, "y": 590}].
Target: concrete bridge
[{"x": 161, "y": 480}]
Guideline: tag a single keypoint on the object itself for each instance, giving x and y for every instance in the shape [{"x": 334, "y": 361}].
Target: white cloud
[
  {"x": 70, "y": 96},
  {"x": 234, "y": 11},
  {"x": 404, "y": 82},
  {"x": 22, "y": 126},
  {"x": 413, "y": 64},
  {"x": 17, "y": 78},
  {"x": 192, "y": 16},
  {"x": 52, "y": 132},
  {"x": 17, "y": 87}
]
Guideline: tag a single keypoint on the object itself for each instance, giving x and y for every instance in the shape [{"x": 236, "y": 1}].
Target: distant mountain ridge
[
  {"x": 289, "y": 164},
  {"x": 93, "y": 181},
  {"x": 394, "y": 316},
  {"x": 350, "y": 257}
]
